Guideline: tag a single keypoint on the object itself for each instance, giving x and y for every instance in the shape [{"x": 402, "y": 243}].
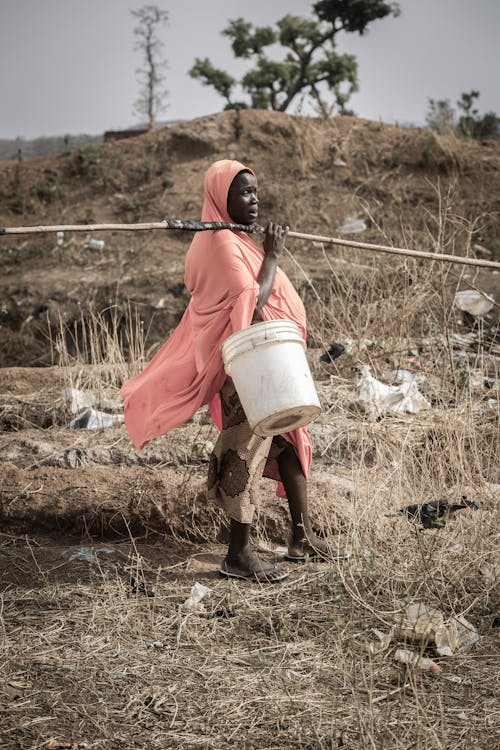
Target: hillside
[
  {"x": 313, "y": 174},
  {"x": 100, "y": 544}
]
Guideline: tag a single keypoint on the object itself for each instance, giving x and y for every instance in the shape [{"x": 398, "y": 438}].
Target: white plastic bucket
[{"x": 268, "y": 365}]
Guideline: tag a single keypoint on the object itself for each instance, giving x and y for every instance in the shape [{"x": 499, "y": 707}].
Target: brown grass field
[{"x": 85, "y": 658}]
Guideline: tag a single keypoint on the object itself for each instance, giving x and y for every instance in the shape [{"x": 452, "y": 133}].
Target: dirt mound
[{"x": 313, "y": 175}]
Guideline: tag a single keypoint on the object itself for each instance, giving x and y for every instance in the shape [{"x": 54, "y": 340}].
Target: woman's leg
[
  {"x": 235, "y": 471},
  {"x": 303, "y": 540},
  {"x": 241, "y": 561}
]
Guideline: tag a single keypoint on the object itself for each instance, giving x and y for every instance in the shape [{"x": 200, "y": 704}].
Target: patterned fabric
[
  {"x": 238, "y": 460},
  {"x": 191, "y": 225}
]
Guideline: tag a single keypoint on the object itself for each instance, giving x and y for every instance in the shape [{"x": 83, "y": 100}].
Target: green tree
[
  {"x": 473, "y": 125},
  {"x": 467, "y": 121},
  {"x": 440, "y": 115},
  {"x": 152, "y": 92},
  {"x": 311, "y": 67}
]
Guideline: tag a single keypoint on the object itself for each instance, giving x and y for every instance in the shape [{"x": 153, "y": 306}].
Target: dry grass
[
  {"x": 270, "y": 667},
  {"x": 291, "y": 666}
]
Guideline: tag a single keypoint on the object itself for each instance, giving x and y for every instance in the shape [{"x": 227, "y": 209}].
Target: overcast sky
[{"x": 68, "y": 66}]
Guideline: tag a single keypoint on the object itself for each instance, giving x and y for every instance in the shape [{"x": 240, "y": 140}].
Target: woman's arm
[{"x": 273, "y": 245}]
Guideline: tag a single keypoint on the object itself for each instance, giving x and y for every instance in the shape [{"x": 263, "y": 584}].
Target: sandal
[
  {"x": 308, "y": 553},
  {"x": 272, "y": 575}
]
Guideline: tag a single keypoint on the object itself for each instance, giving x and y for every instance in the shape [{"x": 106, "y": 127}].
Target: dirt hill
[
  {"x": 100, "y": 545},
  {"x": 408, "y": 184}
]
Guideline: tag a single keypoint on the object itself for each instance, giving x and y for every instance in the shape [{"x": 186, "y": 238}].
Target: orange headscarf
[{"x": 221, "y": 273}]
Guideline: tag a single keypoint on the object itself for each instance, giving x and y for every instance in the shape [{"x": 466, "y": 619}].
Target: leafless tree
[{"x": 152, "y": 93}]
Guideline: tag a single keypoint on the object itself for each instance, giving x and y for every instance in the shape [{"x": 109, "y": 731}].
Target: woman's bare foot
[{"x": 248, "y": 566}]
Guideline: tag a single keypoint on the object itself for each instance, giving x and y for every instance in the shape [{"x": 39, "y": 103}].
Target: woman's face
[{"x": 242, "y": 201}]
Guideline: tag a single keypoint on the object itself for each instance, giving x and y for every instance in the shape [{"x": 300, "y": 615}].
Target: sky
[{"x": 69, "y": 66}]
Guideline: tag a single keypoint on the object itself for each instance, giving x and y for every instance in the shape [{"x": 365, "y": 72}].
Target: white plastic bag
[{"x": 376, "y": 397}]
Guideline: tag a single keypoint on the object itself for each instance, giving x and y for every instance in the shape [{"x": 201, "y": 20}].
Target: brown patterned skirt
[{"x": 238, "y": 459}]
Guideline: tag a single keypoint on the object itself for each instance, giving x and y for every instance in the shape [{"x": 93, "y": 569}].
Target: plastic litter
[
  {"x": 382, "y": 643},
  {"x": 395, "y": 377},
  {"x": 434, "y": 514},
  {"x": 91, "y": 419},
  {"x": 78, "y": 399},
  {"x": 376, "y": 397},
  {"x": 62, "y": 745},
  {"x": 94, "y": 244},
  {"x": 139, "y": 587},
  {"x": 473, "y": 302},
  {"x": 426, "y": 624},
  {"x": 111, "y": 403},
  {"x": 194, "y": 602},
  {"x": 60, "y": 239},
  {"x": 352, "y": 226},
  {"x": 404, "y": 656},
  {"x": 334, "y": 352},
  {"x": 88, "y": 554}
]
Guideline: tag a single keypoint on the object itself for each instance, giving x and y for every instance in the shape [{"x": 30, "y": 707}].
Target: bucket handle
[{"x": 257, "y": 344}]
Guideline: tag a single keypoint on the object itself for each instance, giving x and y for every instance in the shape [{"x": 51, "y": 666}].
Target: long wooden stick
[
  {"x": 397, "y": 250},
  {"x": 198, "y": 226}
]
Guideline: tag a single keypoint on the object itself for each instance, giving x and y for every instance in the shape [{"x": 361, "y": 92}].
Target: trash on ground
[
  {"x": 62, "y": 745},
  {"x": 60, "y": 239},
  {"x": 91, "y": 419},
  {"x": 111, "y": 403},
  {"x": 428, "y": 625},
  {"x": 396, "y": 377},
  {"x": 194, "y": 602},
  {"x": 376, "y": 397},
  {"x": 382, "y": 643},
  {"x": 89, "y": 554},
  {"x": 333, "y": 352},
  {"x": 412, "y": 659},
  {"x": 352, "y": 226},
  {"x": 93, "y": 244},
  {"x": 474, "y": 302},
  {"x": 434, "y": 514},
  {"x": 478, "y": 410},
  {"x": 160, "y": 645},
  {"x": 78, "y": 399},
  {"x": 354, "y": 346},
  {"x": 139, "y": 587}
]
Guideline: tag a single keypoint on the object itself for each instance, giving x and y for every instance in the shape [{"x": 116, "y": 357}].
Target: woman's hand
[{"x": 274, "y": 240}]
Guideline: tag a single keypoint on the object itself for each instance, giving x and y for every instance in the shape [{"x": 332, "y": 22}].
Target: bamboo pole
[{"x": 197, "y": 226}]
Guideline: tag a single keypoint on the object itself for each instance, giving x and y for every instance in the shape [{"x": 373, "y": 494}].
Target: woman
[{"x": 232, "y": 284}]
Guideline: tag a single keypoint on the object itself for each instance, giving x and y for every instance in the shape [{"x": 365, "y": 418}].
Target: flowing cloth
[{"x": 221, "y": 271}]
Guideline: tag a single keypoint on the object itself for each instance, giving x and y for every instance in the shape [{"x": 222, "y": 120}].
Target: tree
[
  {"x": 151, "y": 79},
  {"x": 311, "y": 67},
  {"x": 473, "y": 125},
  {"x": 441, "y": 115}
]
